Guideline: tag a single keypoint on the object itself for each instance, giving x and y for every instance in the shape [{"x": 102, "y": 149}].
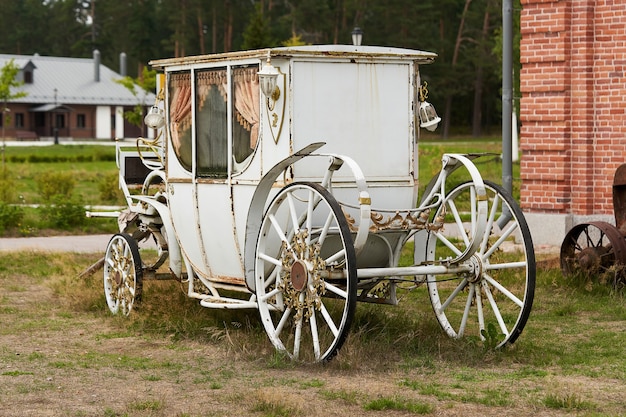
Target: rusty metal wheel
[{"x": 592, "y": 248}]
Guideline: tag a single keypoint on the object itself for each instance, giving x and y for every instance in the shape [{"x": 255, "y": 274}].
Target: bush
[
  {"x": 62, "y": 213},
  {"x": 110, "y": 189},
  {"x": 10, "y": 216},
  {"x": 53, "y": 184},
  {"x": 7, "y": 188}
]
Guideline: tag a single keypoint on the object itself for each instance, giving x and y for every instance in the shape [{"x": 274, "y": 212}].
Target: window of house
[
  {"x": 28, "y": 77},
  {"x": 80, "y": 120},
  {"x": 60, "y": 120},
  {"x": 19, "y": 120},
  {"x": 113, "y": 121}
]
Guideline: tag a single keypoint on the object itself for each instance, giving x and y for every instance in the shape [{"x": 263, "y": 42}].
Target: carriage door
[{"x": 202, "y": 206}]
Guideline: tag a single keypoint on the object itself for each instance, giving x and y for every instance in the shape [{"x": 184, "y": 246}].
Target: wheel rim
[
  {"x": 305, "y": 273},
  {"x": 591, "y": 249},
  {"x": 122, "y": 274},
  {"x": 493, "y": 299}
]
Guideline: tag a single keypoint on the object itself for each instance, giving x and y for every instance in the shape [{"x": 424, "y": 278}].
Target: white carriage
[{"x": 287, "y": 179}]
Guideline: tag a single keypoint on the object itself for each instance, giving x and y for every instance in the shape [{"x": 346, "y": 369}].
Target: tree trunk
[
  {"x": 214, "y": 31},
  {"x": 478, "y": 82},
  {"x": 455, "y": 57},
  {"x": 228, "y": 30},
  {"x": 200, "y": 31}
]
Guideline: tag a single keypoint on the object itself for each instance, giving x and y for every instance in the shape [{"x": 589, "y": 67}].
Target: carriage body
[
  {"x": 299, "y": 196},
  {"x": 224, "y": 135}
]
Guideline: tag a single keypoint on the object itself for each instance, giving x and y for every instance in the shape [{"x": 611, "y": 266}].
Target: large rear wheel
[{"x": 493, "y": 299}]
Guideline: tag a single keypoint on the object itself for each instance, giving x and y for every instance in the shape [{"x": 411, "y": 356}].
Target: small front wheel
[
  {"x": 305, "y": 273},
  {"x": 492, "y": 299},
  {"x": 123, "y": 275}
]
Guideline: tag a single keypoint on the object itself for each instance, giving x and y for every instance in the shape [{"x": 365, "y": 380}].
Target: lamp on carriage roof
[
  {"x": 357, "y": 36},
  {"x": 428, "y": 116}
]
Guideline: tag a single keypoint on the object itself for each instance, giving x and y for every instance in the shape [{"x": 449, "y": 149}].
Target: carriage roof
[{"x": 321, "y": 51}]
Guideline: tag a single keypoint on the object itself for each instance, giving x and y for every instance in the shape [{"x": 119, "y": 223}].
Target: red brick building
[{"x": 573, "y": 111}]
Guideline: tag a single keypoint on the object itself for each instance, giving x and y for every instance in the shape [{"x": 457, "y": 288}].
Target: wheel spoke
[
  {"x": 270, "y": 259},
  {"x": 503, "y": 290},
  {"x": 496, "y": 310},
  {"x": 505, "y": 235},
  {"x": 329, "y": 320},
  {"x": 456, "y": 292},
  {"x": 315, "y": 337},
  {"x": 338, "y": 255},
  {"x": 278, "y": 229},
  {"x": 479, "y": 310},
  {"x": 459, "y": 222},
  {"x": 336, "y": 290},
  {"x": 492, "y": 216},
  {"x": 449, "y": 244},
  {"x": 267, "y": 296},
  {"x": 283, "y": 320},
  {"x": 297, "y": 337},
  {"x": 329, "y": 221},
  {"x": 466, "y": 311},
  {"x": 293, "y": 215}
]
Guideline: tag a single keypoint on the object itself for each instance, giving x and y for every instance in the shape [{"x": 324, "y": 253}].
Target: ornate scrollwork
[{"x": 408, "y": 220}]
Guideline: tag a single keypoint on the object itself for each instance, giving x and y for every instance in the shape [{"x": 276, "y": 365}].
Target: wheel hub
[
  {"x": 476, "y": 272},
  {"x": 117, "y": 277},
  {"x": 590, "y": 259},
  {"x": 299, "y": 275}
]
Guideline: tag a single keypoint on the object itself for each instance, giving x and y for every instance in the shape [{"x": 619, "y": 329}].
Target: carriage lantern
[
  {"x": 428, "y": 116},
  {"x": 267, "y": 80}
]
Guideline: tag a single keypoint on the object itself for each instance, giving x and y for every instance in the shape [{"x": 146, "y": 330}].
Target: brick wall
[{"x": 573, "y": 107}]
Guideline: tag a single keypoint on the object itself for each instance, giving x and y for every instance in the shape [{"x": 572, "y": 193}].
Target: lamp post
[
  {"x": 5, "y": 110},
  {"x": 357, "y": 36},
  {"x": 54, "y": 114}
]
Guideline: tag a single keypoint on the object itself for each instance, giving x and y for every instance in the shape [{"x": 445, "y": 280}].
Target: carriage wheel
[
  {"x": 493, "y": 300},
  {"x": 123, "y": 276},
  {"x": 592, "y": 248},
  {"x": 305, "y": 273}
]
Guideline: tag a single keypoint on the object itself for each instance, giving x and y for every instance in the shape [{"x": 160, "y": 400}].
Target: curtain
[
  {"x": 180, "y": 116},
  {"x": 246, "y": 86}
]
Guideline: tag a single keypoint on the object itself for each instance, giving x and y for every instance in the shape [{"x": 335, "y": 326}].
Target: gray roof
[{"x": 75, "y": 82}]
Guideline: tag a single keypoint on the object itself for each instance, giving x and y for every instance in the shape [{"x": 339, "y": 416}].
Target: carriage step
[{"x": 227, "y": 303}]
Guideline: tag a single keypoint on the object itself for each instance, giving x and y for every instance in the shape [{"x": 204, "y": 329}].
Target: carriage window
[
  {"x": 211, "y": 123},
  {"x": 245, "y": 115},
  {"x": 179, "y": 91}
]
